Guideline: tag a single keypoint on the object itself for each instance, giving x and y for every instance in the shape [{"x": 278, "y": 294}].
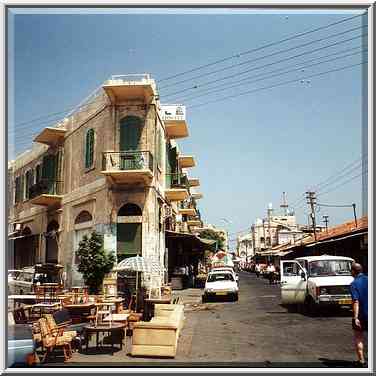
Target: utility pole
[
  {"x": 270, "y": 210},
  {"x": 356, "y": 222},
  {"x": 311, "y": 200},
  {"x": 326, "y": 220}
]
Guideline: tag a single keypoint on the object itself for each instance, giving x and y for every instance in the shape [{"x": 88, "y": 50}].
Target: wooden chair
[
  {"x": 53, "y": 327},
  {"x": 54, "y": 340},
  {"x": 103, "y": 310}
]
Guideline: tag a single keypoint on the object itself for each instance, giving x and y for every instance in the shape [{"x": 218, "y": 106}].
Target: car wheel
[
  {"x": 204, "y": 299},
  {"x": 236, "y": 297}
]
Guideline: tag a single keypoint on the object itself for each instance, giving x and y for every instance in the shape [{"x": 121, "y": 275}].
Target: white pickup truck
[{"x": 315, "y": 281}]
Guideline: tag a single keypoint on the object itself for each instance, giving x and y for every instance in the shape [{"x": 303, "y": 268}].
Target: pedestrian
[
  {"x": 359, "y": 295},
  {"x": 257, "y": 269},
  {"x": 270, "y": 270}
]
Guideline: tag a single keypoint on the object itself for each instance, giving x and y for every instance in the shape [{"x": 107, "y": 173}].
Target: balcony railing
[
  {"x": 177, "y": 180},
  {"x": 46, "y": 187},
  {"x": 127, "y": 161}
]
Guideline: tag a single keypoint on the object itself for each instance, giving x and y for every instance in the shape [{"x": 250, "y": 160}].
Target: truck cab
[{"x": 316, "y": 281}]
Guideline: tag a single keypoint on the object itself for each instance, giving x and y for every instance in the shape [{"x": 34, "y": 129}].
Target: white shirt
[{"x": 271, "y": 268}]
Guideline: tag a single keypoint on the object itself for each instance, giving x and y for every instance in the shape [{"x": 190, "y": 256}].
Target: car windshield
[
  {"x": 220, "y": 277},
  {"x": 329, "y": 268}
]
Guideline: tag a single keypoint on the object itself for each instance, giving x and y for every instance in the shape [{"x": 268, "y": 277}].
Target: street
[{"x": 253, "y": 332}]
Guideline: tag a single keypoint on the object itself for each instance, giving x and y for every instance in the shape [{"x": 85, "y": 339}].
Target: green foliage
[
  {"x": 95, "y": 262},
  {"x": 214, "y": 235}
]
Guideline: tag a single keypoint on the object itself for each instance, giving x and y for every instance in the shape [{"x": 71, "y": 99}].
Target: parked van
[{"x": 316, "y": 281}]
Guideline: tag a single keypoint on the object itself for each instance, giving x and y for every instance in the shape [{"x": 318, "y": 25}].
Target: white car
[
  {"x": 316, "y": 281},
  {"x": 220, "y": 284},
  {"x": 229, "y": 269}
]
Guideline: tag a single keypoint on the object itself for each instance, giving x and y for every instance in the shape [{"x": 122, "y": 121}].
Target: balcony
[
  {"x": 46, "y": 193},
  {"x": 128, "y": 167},
  {"x": 130, "y": 87},
  {"x": 197, "y": 196},
  {"x": 193, "y": 182},
  {"x": 173, "y": 117},
  {"x": 194, "y": 222},
  {"x": 177, "y": 187},
  {"x": 188, "y": 208},
  {"x": 186, "y": 161},
  {"x": 51, "y": 136}
]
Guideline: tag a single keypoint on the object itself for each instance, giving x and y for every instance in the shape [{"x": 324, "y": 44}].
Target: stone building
[{"x": 112, "y": 165}]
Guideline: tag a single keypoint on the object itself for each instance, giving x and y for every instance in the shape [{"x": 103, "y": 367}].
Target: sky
[{"x": 277, "y": 137}]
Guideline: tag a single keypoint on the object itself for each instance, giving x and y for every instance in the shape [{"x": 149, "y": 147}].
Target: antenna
[{"x": 284, "y": 204}]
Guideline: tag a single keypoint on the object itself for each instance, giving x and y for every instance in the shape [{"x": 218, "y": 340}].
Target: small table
[
  {"x": 46, "y": 308},
  {"x": 116, "y": 328},
  {"x": 149, "y": 306},
  {"x": 79, "y": 311}
]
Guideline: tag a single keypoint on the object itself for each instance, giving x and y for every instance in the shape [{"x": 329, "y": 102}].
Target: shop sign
[{"x": 173, "y": 112}]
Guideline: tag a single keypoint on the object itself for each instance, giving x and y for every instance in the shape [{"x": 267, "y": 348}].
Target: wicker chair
[{"x": 54, "y": 340}]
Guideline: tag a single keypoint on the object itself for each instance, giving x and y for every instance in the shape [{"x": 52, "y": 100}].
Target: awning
[
  {"x": 181, "y": 235},
  {"x": 337, "y": 239}
]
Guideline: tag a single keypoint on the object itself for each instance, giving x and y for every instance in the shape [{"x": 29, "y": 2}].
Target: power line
[
  {"x": 294, "y": 36},
  {"x": 335, "y": 206},
  {"x": 277, "y": 85},
  {"x": 266, "y": 56},
  {"x": 343, "y": 183},
  {"x": 335, "y": 176},
  {"x": 243, "y": 82}
]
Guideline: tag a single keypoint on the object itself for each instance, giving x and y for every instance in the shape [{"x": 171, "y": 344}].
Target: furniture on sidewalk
[
  {"x": 80, "y": 312},
  {"x": 149, "y": 306},
  {"x": 159, "y": 337},
  {"x": 103, "y": 310},
  {"x": 79, "y": 294},
  {"x": 115, "y": 301},
  {"x": 52, "y": 340},
  {"x": 116, "y": 334}
]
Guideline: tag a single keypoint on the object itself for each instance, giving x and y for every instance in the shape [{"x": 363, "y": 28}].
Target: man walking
[
  {"x": 257, "y": 269},
  {"x": 359, "y": 294}
]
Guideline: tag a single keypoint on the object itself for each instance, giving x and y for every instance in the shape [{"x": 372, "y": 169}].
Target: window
[
  {"x": 89, "y": 148},
  {"x": 38, "y": 174},
  {"x": 29, "y": 179},
  {"x": 18, "y": 189}
]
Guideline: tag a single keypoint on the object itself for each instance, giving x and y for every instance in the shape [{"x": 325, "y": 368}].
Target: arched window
[
  {"x": 89, "y": 148},
  {"x": 83, "y": 217},
  {"x": 129, "y": 210},
  {"x": 129, "y": 231}
]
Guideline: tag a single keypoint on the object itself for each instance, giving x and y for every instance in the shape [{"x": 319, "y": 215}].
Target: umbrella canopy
[{"x": 138, "y": 264}]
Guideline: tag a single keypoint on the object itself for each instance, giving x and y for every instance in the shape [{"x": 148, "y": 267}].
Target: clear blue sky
[{"x": 248, "y": 149}]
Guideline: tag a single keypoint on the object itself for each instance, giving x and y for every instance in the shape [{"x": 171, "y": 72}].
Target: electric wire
[
  {"x": 277, "y": 85},
  {"x": 269, "y": 76},
  {"x": 271, "y": 44},
  {"x": 266, "y": 56}
]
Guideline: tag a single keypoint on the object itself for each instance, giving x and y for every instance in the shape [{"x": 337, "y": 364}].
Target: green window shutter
[
  {"x": 18, "y": 189},
  {"x": 129, "y": 238},
  {"x": 89, "y": 148},
  {"x": 22, "y": 190},
  {"x": 130, "y": 133},
  {"x": 49, "y": 172},
  {"x": 37, "y": 174},
  {"x": 160, "y": 148}
]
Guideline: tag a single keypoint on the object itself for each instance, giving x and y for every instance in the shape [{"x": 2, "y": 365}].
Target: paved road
[{"x": 258, "y": 330}]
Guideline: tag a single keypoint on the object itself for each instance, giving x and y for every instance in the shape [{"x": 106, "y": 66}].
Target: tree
[
  {"x": 95, "y": 262},
  {"x": 214, "y": 235}
]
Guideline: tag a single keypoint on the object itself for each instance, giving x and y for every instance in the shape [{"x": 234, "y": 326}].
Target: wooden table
[
  {"x": 43, "y": 308},
  {"x": 149, "y": 306},
  {"x": 116, "y": 328},
  {"x": 79, "y": 311}
]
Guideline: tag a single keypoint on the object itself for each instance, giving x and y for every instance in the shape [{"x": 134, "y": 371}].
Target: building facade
[{"x": 112, "y": 166}]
